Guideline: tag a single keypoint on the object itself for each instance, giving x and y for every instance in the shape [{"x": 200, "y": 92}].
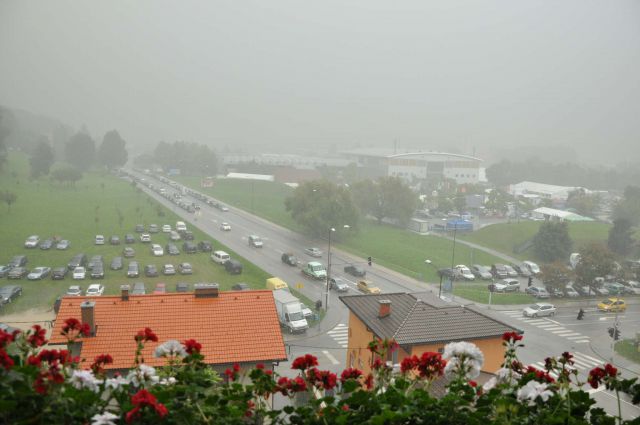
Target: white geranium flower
[
  {"x": 171, "y": 348},
  {"x": 107, "y": 418},
  {"x": 463, "y": 356},
  {"x": 143, "y": 375},
  {"x": 84, "y": 379},
  {"x": 490, "y": 384},
  {"x": 168, "y": 381},
  {"x": 117, "y": 382},
  {"x": 533, "y": 390}
]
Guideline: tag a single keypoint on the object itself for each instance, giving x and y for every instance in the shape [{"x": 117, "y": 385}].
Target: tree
[
  {"x": 583, "y": 203},
  {"x": 497, "y": 201},
  {"x": 4, "y": 132},
  {"x": 80, "y": 151},
  {"x": 621, "y": 237},
  {"x": 319, "y": 205},
  {"x": 556, "y": 275},
  {"x": 596, "y": 260},
  {"x": 68, "y": 175},
  {"x": 190, "y": 158},
  {"x": 386, "y": 197},
  {"x": 112, "y": 152},
  {"x": 629, "y": 207},
  {"x": 552, "y": 242},
  {"x": 41, "y": 159},
  {"x": 8, "y": 198},
  {"x": 460, "y": 202}
]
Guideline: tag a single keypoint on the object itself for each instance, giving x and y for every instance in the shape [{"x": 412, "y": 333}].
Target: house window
[{"x": 441, "y": 350}]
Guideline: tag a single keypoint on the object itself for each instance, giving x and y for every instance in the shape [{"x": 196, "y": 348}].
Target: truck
[
  {"x": 290, "y": 312},
  {"x": 315, "y": 270},
  {"x": 275, "y": 283}
]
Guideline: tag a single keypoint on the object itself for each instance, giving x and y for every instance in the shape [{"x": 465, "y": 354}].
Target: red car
[{"x": 160, "y": 288}]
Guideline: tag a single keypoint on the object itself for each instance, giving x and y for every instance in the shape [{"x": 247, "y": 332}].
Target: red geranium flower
[
  {"x": 146, "y": 335},
  {"x": 350, "y": 373},
  {"x": 511, "y": 337},
  {"x": 192, "y": 346},
  {"x": 431, "y": 365},
  {"x": 99, "y": 362},
  {"x": 5, "y": 361},
  {"x": 36, "y": 337},
  {"x": 6, "y": 338},
  {"x": 304, "y": 362},
  {"x": 141, "y": 399}
]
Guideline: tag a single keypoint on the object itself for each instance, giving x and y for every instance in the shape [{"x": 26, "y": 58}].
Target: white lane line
[
  {"x": 549, "y": 326},
  {"x": 571, "y": 334},
  {"x": 559, "y": 331},
  {"x": 596, "y": 390},
  {"x": 598, "y": 361},
  {"x": 330, "y": 357},
  {"x": 539, "y": 322},
  {"x": 566, "y": 333},
  {"x": 582, "y": 342},
  {"x": 553, "y": 321},
  {"x": 582, "y": 363},
  {"x": 577, "y": 337}
]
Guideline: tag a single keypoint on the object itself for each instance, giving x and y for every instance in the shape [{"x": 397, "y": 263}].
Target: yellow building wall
[{"x": 358, "y": 355}]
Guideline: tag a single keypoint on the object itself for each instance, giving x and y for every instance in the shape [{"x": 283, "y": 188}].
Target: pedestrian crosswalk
[
  {"x": 581, "y": 362},
  {"x": 340, "y": 334},
  {"x": 549, "y": 325}
]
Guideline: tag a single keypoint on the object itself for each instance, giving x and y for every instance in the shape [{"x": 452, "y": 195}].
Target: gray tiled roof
[{"x": 413, "y": 321}]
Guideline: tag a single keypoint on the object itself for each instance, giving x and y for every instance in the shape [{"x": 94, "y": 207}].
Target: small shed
[{"x": 419, "y": 226}]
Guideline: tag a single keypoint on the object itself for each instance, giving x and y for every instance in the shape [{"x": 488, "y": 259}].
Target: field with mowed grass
[
  {"x": 478, "y": 292},
  {"x": 395, "y": 248},
  {"x": 506, "y": 237},
  {"x": 98, "y": 204}
]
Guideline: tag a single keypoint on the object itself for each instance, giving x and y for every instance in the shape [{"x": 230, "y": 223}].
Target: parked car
[
  {"x": 612, "y": 304},
  {"x": 32, "y": 242},
  {"x": 189, "y": 247},
  {"x": 220, "y": 257},
  {"x": 133, "y": 270},
  {"x": 97, "y": 272},
  {"x": 95, "y": 290},
  {"x": 166, "y": 228},
  {"x": 4, "y": 270},
  {"x": 522, "y": 270},
  {"x": 255, "y": 241},
  {"x": 185, "y": 268},
  {"x": 367, "y": 287},
  {"x": 168, "y": 270},
  {"x": 534, "y": 269},
  {"x": 507, "y": 285},
  {"x": 116, "y": 263},
  {"x": 585, "y": 290},
  {"x": 46, "y": 244},
  {"x": 99, "y": 239},
  {"x": 18, "y": 261},
  {"x": 481, "y": 272},
  {"x": 139, "y": 228},
  {"x": 511, "y": 272},
  {"x": 240, "y": 287},
  {"x": 79, "y": 273},
  {"x": 183, "y": 287},
  {"x": 128, "y": 238},
  {"x": 205, "y": 246},
  {"x": 632, "y": 287},
  {"x": 74, "y": 291},
  {"x": 463, "y": 272},
  {"x": 17, "y": 273},
  {"x": 172, "y": 249},
  {"x": 233, "y": 267},
  {"x": 138, "y": 289},
  {"x": 314, "y": 252},
  {"x": 150, "y": 270},
  {"x": 571, "y": 292},
  {"x": 153, "y": 228},
  {"x": 9, "y": 293},
  {"x": 289, "y": 259},
  {"x": 499, "y": 271},
  {"x": 537, "y": 291},
  {"x": 114, "y": 240},
  {"x": 225, "y": 226},
  {"x": 600, "y": 290},
  {"x": 554, "y": 292},
  {"x": 354, "y": 270},
  {"x": 160, "y": 288},
  {"x": 338, "y": 284},
  {"x": 539, "y": 310},
  {"x": 39, "y": 273},
  {"x": 157, "y": 250},
  {"x": 63, "y": 244},
  {"x": 145, "y": 238},
  {"x": 615, "y": 288},
  {"x": 128, "y": 252},
  {"x": 187, "y": 235},
  {"x": 96, "y": 260},
  {"x": 174, "y": 236},
  {"x": 59, "y": 273}
]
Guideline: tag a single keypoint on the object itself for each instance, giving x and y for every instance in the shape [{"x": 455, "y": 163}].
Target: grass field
[
  {"x": 78, "y": 213},
  {"x": 628, "y": 350},
  {"x": 505, "y": 237},
  {"x": 478, "y": 292},
  {"x": 395, "y": 248}
]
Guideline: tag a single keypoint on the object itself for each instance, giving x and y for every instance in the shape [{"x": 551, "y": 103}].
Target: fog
[{"x": 490, "y": 77}]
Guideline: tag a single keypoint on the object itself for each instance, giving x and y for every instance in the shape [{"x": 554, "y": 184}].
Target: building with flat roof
[
  {"x": 543, "y": 190},
  {"x": 421, "y": 165}
]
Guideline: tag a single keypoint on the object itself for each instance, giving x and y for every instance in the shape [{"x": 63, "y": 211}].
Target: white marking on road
[
  {"x": 550, "y": 327},
  {"x": 596, "y": 390},
  {"x": 332, "y": 359},
  {"x": 558, "y": 331},
  {"x": 605, "y": 318},
  {"x": 572, "y": 334},
  {"x": 553, "y": 321},
  {"x": 577, "y": 337},
  {"x": 582, "y": 342},
  {"x": 565, "y": 333},
  {"x": 598, "y": 361}
]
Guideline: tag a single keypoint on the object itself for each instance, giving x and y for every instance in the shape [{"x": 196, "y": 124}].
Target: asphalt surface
[{"x": 587, "y": 339}]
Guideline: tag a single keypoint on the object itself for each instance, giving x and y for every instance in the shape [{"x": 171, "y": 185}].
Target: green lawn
[
  {"x": 627, "y": 349},
  {"x": 392, "y": 247},
  {"x": 505, "y": 237},
  {"x": 78, "y": 214},
  {"x": 478, "y": 292}
]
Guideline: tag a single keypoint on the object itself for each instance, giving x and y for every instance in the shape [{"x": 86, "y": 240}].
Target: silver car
[{"x": 539, "y": 310}]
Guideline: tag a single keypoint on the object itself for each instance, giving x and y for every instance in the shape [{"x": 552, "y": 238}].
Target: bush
[{"x": 47, "y": 386}]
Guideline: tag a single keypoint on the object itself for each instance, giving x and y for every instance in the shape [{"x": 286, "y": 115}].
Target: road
[{"x": 587, "y": 339}]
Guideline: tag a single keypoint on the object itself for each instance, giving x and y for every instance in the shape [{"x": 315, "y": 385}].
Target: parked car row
[{"x": 34, "y": 241}]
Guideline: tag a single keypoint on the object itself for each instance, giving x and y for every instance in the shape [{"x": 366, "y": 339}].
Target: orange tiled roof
[{"x": 237, "y": 326}]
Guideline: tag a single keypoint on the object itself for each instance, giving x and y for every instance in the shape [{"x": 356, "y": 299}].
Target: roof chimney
[
  {"x": 385, "y": 308},
  {"x": 206, "y": 290},
  {"x": 124, "y": 289},
  {"x": 87, "y": 309}
]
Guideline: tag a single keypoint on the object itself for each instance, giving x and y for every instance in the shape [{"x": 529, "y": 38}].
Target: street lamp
[
  {"x": 433, "y": 265},
  {"x": 326, "y": 299}
]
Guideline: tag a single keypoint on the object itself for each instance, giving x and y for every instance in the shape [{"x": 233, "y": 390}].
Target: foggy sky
[{"x": 463, "y": 74}]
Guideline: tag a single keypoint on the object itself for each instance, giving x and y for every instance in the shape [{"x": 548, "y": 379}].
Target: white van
[
  {"x": 180, "y": 226},
  {"x": 220, "y": 257}
]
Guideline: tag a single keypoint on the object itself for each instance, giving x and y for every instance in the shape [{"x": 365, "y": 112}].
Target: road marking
[
  {"x": 605, "y": 318},
  {"x": 332, "y": 359},
  {"x": 553, "y": 321},
  {"x": 582, "y": 342},
  {"x": 596, "y": 390},
  {"x": 577, "y": 337},
  {"x": 559, "y": 331},
  {"x": 572, "y": 334},
  {"x": 550, "y": 327},
  {"x": 598, "y": 361}
]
